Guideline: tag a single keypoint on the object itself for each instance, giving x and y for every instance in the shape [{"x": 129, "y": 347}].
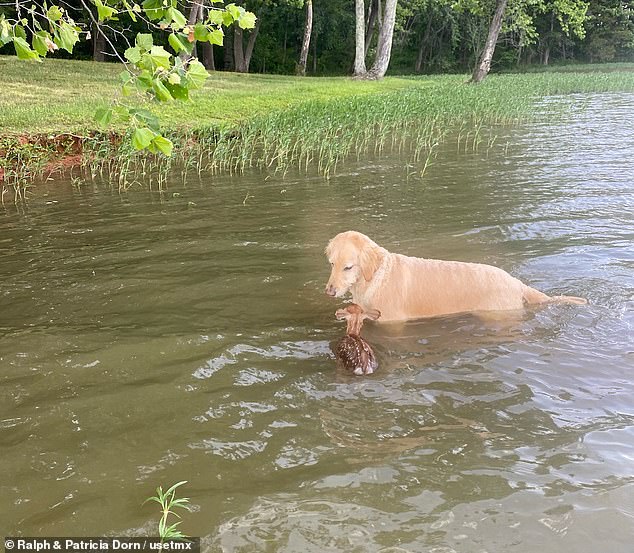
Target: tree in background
[
  {"x": 427, "y": 36},
  {"x": 610, "y": 31},
  {"x": 519, "y": 19},
  {"x": 484, "y": 63},
  {"x": 308, "y": 29},
  {"x": 359, "y": 69},
  {"x": 386, "y": 22}
]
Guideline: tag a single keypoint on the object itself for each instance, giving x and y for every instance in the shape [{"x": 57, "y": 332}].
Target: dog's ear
[
  {"x": 328, "y": 249},
  {"x": 372, "y": 314},
  {"x": 370, "y": 260}
]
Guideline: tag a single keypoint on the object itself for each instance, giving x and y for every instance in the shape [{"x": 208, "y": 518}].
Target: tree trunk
[
  {"x": 373, "y": 11},
  {"x": 207, "y": 56},
  {"x": 308, "y": 28},
  {"x": 228, "y": 50},
  {"x": 423, "y": 46},
  {"x": 242, "y": 56},
  {"x": 98, "y": 43},
  {"x": 484, "y": 65},
  {"x": 315, "y": 54},
  {"x": 384, "y": 47},
  {"x": 251, "y": 43},
  {"x": 238, "y": 51},
  {"x": 359, "y": 69},
  {"x": 195, "y": 15}
]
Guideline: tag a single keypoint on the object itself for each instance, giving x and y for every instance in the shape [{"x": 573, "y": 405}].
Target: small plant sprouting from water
[{"x": 168, "y": 501}]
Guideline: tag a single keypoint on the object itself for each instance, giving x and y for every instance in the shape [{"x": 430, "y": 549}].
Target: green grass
[
  {"x": 61, "y": 96},
  {"x": 271, "y": 122}
]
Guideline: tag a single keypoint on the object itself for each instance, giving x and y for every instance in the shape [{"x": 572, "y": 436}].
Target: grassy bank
[{"x": 274, "y": 122}]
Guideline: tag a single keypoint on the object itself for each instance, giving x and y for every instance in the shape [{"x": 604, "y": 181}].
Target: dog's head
[{"x": 352, "y": 256}]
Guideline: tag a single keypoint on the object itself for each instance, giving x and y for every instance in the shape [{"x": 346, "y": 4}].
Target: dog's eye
[{"x": 348, "y": 267}]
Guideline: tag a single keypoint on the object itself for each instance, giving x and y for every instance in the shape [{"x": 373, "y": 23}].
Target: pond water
[{"x": 148, "y": 339}]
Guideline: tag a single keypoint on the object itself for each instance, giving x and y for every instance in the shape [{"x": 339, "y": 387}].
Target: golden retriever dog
[{"x": 403, "y": 287}]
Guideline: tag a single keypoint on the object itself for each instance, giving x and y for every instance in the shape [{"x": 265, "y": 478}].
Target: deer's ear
[
  {"x": 341, "y": 314},
  {"x": 372, "y": 314}
]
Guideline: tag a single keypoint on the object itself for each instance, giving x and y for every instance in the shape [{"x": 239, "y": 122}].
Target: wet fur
[
  {"x": 352, "y": 351},
  {"x": 404, "y": 287}
]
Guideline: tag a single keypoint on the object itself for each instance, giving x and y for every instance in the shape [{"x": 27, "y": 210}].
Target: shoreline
[{"x": 244, "y": 121}]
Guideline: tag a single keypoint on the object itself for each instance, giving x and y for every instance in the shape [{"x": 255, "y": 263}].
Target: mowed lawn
[{"x": 62, "y": 95}]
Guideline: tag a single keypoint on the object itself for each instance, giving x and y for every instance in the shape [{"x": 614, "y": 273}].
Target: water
[{"x": 148, "y": 339}]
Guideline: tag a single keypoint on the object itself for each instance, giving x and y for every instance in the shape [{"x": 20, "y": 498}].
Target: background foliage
[{"x": 431, "y": 36}]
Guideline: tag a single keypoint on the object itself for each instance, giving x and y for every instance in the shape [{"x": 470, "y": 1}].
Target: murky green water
[{"x": 148, "y": 339}]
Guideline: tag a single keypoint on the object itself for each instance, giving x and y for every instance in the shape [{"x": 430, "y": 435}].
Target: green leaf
[
  {"x": 66, "y": 36},
  {"x": 125, "y": 76},
  {"x": 130, "y": 9},
  {"x": 247, "y": 20},
  {"x": 201, "y": 32},
  {"x": 196, "y": 74},
  {"x": 154, "y": 9},
  {"x": 127, "y": 89},
  {"x": 104, "y": 12},
  {"x": 234, "y": 11},
  {"x": 144, "y": 81},
  {"x": 175, "y": 43},
  {"x": 215, "y": 17},
  {"x": 133, "y": 55},
  {"x": 122, "y": 112},
  {"x": 5, "y": 31},
  {"x": 142, "y": 138},
  {"x": 39, "y": 42},
  {"x": 179, "y": 20},
  {"x": 54, "y": 13},
  {"x": 163, "y": 145},
  {"x": 161, "y": 57},
  {"x": 146, "y": 118},
  {"x": 178, "y": 91},
  {"x": 144, "y": 41},
  {"x": 103, "y": 116},
  {"x": 227, "y": 18},
  {"x": 19, "y": 31},
  {"x": 160, "y": 92},
  {"x": 23, "y": 50},
  {"x": 146, "y": 63},
  {"x": 180, "y": 43},
  {"x": 217, "y": 37}
]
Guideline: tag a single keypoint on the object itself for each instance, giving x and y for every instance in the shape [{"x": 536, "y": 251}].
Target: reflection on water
[{"x": 150, "y": 339}]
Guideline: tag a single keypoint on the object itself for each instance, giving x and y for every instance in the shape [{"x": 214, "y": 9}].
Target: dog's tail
[
  {"x": 535, "y": 297},
  {"x": 568, "y": 299}
]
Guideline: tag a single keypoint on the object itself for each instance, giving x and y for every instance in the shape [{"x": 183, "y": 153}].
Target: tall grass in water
[
  {"x": 411, "y": 121},
  {"x": 321, "y": 133}
]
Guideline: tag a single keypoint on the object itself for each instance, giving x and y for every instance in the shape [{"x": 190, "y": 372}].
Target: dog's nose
[{"x": 330, "y": 290}]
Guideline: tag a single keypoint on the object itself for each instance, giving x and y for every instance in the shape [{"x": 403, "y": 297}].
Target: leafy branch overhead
[{"x": 39, "y": 29}]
